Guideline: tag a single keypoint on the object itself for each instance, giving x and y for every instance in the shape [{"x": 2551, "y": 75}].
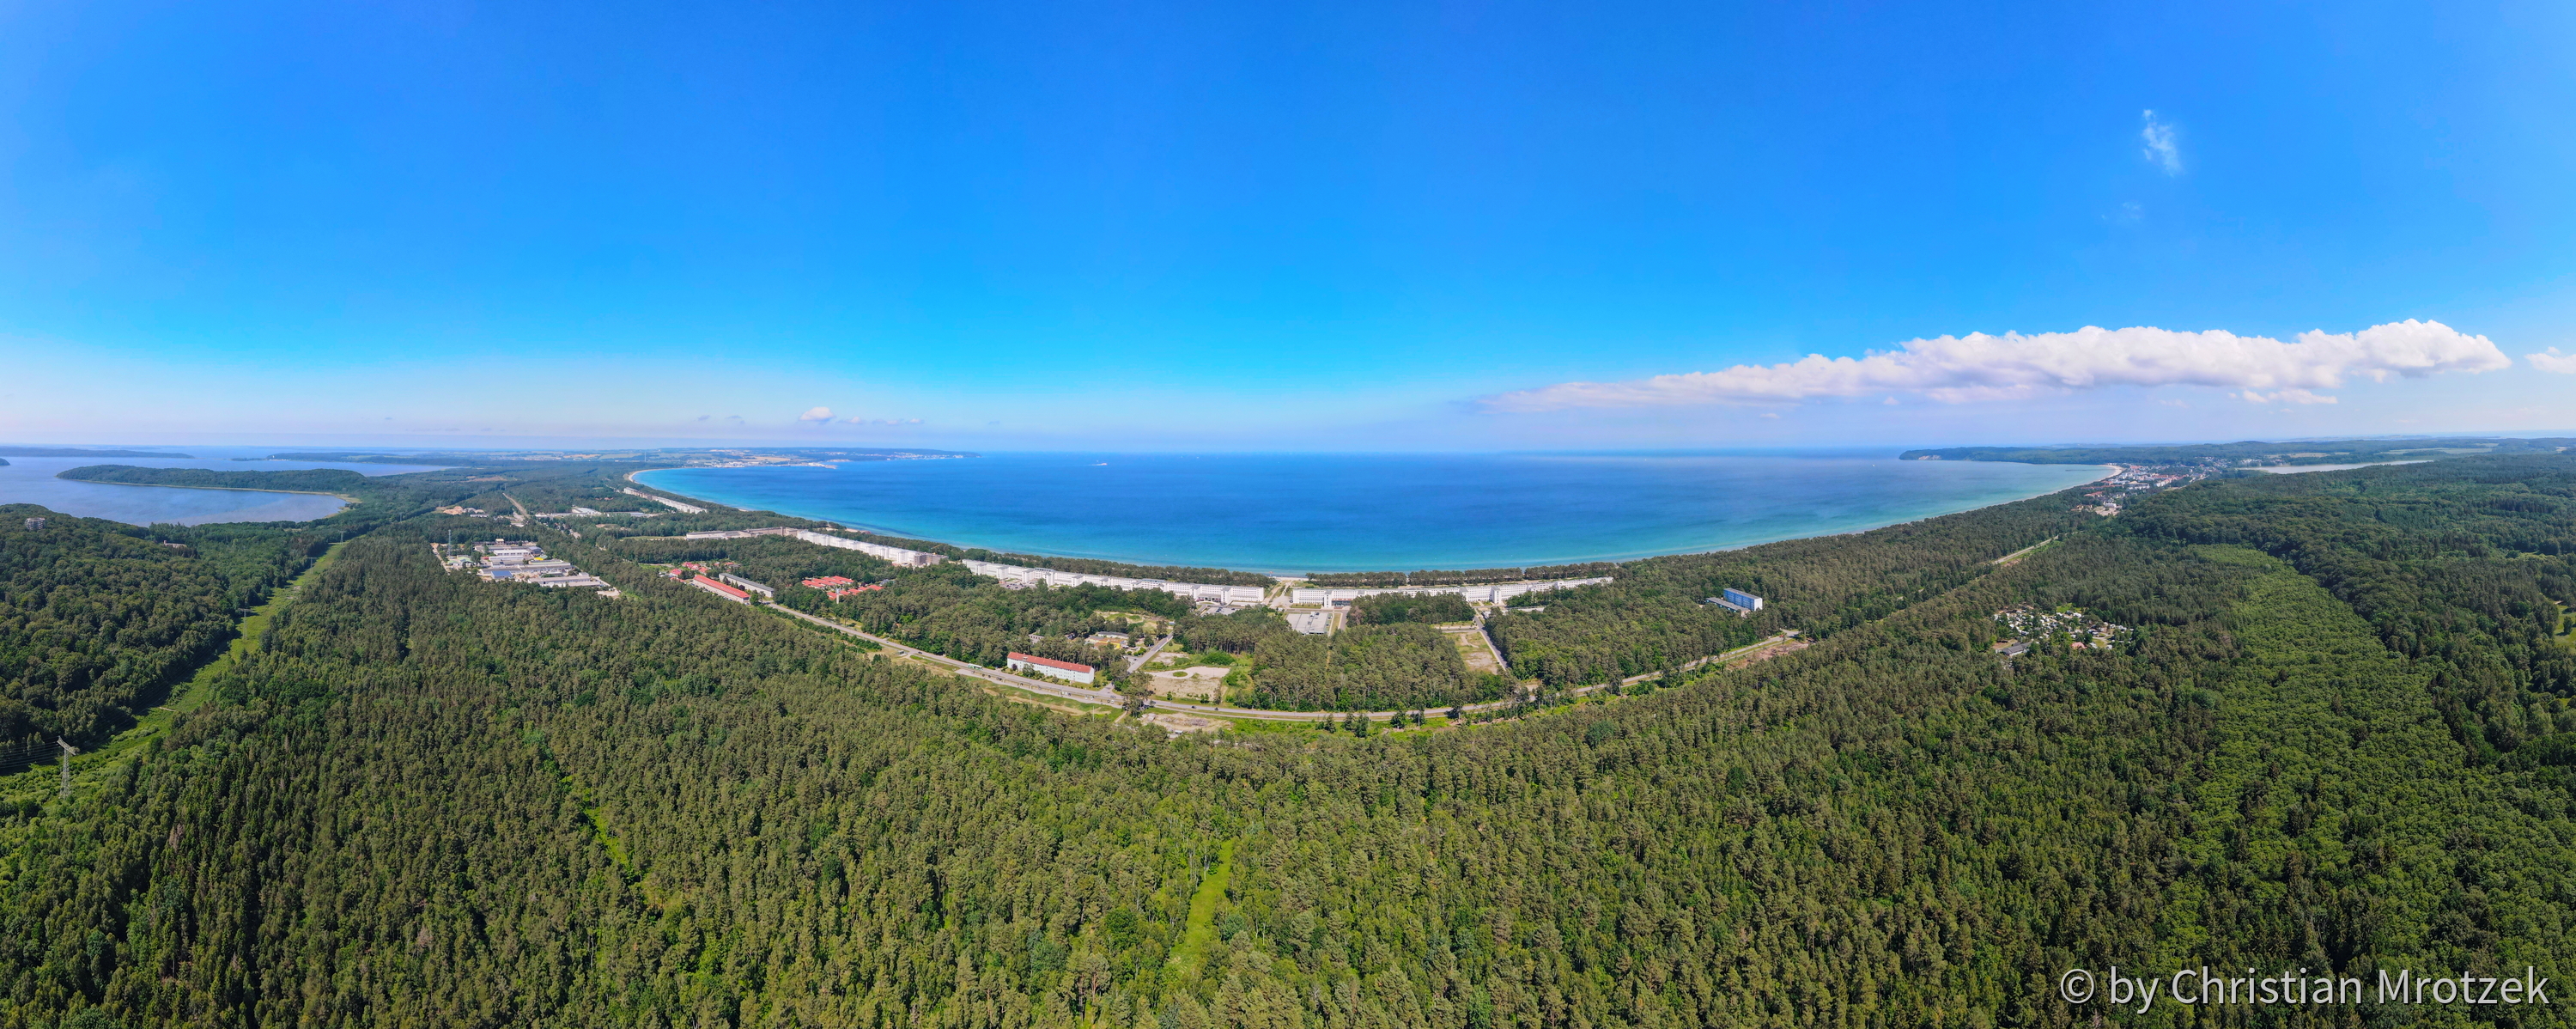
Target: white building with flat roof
[
  {"x": 1484, "y": 593},
  {"x": 747, "y": 584},
  {"x": 1238, "y": 596},
  {"x": 897, "y": 555},
  {"x": 666, "y": 501},
  {"x": 1031, "y": 664}
]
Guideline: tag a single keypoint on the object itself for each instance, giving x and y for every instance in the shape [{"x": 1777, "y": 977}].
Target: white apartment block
[
  {"x": 1483, "y": 593},
  {"x": 1237, "y": 596}
]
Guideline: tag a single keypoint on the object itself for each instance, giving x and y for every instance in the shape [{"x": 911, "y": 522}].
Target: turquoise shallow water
[{"x": 1294, "y": 513}]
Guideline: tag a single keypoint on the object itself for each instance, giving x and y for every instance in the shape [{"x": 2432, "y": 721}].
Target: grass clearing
[
  {"x": 1272, "y": 727},
  {"x": 185, "y": 696},
  {"x": 1199, "y": 932},
  {"x": 1043, "y": 700},
  {"x": 861, "y": 642},
  {"x": 2015, "y": 557}
]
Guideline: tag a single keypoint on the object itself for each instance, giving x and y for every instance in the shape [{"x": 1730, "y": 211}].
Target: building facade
[
  {"x": 1736, "y": 600},
  {"x": 1031, "y": 664},
  {"x": 1488, "y": 593},
  {"x": 721, "y": 590},
  {"x": 1238, "y": 596}
]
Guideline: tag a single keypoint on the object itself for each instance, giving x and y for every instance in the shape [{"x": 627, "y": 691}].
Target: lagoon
[
  {"x": 30, "y": 480},
  {"x": 1296, "y": 513}
]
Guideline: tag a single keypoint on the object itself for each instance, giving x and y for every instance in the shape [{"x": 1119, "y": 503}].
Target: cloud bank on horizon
[{"x": 1981, "y": 367}]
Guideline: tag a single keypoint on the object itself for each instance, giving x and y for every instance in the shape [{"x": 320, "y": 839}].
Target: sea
[
  {"x": 1290, "y": 514},
  {"x": 30, "y": 480}
]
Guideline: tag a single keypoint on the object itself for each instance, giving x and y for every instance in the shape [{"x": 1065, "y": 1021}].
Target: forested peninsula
[
  {"x": 2317, "y": 721},
  {"x": 311, "y": 480},
  {"x": 83, "y": 452}
]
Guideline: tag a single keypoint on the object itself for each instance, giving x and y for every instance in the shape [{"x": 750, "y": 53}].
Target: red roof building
[
  {"x": 1051, "y": 667},
  {"x": 827, "y": 582},
  {"x": 721, "y": 590}
]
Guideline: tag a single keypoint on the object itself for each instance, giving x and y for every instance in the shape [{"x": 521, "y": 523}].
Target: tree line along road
[{"x": 1110, "y": 698}]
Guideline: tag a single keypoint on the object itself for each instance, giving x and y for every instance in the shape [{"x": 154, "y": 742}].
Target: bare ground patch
[
  {"x": 1476, "y": 649},
  {"x": 1202, "y": 682},
  {"x": 1180, "y": 723}
]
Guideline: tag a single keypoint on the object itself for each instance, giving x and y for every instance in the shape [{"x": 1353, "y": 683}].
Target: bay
[
  {"x": 1297, "y": 513},
  {"x": 30, "y": 480}
]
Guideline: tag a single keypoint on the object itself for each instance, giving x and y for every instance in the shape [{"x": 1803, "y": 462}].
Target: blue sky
[{"x": 1295, "y": 226}]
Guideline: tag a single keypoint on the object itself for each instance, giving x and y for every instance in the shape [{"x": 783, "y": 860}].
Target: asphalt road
[
  {"x": 1066, "y": 690},
  {"x": 1070, "y": 691}
]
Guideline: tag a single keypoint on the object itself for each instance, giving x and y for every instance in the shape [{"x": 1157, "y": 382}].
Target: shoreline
[
  {"x": 346, "y": 501},
  {"x": 2106, "y": 471}
]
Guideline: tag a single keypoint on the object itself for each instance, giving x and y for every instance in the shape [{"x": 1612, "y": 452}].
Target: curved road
[{"x": 1087, "y": 695}]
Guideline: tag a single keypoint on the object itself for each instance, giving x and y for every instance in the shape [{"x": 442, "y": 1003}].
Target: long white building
[
  {"x": 666, "y": 501},
  {"x": 1236, "y": 596},
  {"x": 1482, "y": 593},
  {"x": 898, "y": 555}
]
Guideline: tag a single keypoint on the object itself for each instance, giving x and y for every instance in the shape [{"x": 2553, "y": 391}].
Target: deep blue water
[
  {"x": 30, "y": 480},
  {"x": 1293, "y": 513}
]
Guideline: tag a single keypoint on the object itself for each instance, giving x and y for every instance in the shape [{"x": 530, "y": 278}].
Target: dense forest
[
  {"x": 308, "y": 480},
  {"x": 1391, "y": 608},
  {"x": 92, "y": 622},
  {"x": 2464, "y": 569},
  {"x": 943, "y": 608},
  {"x": 1364, "y": 668},
  {"x": 2330, "y": 740},
  {"x": 1399, "y": 664},
  {"x": 1654, "y": 616}
]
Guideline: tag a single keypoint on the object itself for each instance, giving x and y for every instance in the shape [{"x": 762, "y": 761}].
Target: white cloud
[
  {"x": 2553, "y": 361},
  {"x": 2287, "y": 396},
  {"x": 815, "y": 414},
  {"x": 2159, "y": 138},
  {"x": 1770, "y": 414},
  {"x": 1957, "y": 369}
]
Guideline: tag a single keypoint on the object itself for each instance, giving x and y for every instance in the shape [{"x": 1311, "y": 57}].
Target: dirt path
[{"x": 2015, "y": 557}]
